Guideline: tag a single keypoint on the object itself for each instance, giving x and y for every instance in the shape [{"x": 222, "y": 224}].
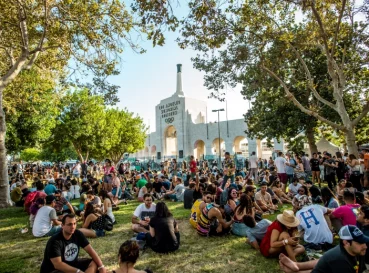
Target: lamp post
[{"x": 220, "y": 158}]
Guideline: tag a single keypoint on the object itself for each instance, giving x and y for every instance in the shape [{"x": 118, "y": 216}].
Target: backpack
[{"x": 108, "y": 223}]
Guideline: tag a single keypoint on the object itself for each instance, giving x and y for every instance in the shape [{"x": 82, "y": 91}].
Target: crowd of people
[{"x": 222, "y": 201}]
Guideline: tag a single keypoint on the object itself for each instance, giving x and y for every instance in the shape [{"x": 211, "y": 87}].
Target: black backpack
[{"x": 108, "y": 223}]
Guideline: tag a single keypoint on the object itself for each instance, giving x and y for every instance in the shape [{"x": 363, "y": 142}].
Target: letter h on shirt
[{"x": 307, "y": 215}]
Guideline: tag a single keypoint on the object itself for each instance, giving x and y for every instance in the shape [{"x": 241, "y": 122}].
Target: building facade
[{"x": 182, "y": 130}]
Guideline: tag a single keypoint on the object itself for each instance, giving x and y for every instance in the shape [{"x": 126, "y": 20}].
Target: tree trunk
[
  {"x": 351, "y": 142},
  {"x": 311, "y": 140},
  {"x": 4, "y": 183}
]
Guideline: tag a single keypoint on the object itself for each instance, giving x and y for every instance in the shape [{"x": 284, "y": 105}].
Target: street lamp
[{"x": 220, "y": 159}]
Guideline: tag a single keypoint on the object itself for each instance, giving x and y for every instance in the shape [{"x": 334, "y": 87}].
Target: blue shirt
[
  {"x": 290, "y": 170},
  {"x": 50, "y": 189}
]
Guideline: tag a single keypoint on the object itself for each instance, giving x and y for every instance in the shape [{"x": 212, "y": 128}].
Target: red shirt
[
  {"x": 265, "y": 243},
  {"x": 193, "y": 166}
]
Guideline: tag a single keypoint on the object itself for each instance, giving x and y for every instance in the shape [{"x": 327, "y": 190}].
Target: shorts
[
  {"x": 76, "y": 175},
  {"x": 282, "y": 177},
  {"x": 107, "y": 179},
  {"x": 99, "y": 232}
]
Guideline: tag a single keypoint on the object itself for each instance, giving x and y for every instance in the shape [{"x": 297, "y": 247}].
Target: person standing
[
  {"x": 229, "y": 169},
  {"x": 330, "y": 172},
  {"x": 61, "y": 253},
  {"x": 281, "y": 163},
  {"x": 253, "y": 167},
  {"x": 314, "y": 163},
  {"x": 193, "y": 166},
  {"x": 306, "y": 164},
  {"x": 290, "y": 169}
]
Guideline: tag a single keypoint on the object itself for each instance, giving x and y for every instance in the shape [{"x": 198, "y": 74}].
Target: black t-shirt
[
  {"x": 365, "y": 230},
  {"x": 314, "y": 164},
  {"x": 68, "y": 250},
  {"x": 196, "y": 195},
  {"x": 188, "y": 198},
  {"x": 338, "y": 260},
  {"x": 157, "y": 186},
  {"x": 165, "y": 239}
]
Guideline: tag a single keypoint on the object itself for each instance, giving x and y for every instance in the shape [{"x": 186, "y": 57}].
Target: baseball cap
[{"x": 353, "y": 233}]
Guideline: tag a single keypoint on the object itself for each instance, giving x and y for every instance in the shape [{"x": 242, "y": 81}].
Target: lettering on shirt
[
  {"x": 309, "y": 218},
  {"x": 71, "y": 252}
]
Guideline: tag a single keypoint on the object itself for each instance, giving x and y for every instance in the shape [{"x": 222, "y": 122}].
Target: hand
[
  {"x": 102, "y": 270},
  {"x": 219, "y": 228},
  {"x": 292, "y": 242}
]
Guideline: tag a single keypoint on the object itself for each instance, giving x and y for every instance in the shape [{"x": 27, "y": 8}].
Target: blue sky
[{"x": 147, "y": 78}]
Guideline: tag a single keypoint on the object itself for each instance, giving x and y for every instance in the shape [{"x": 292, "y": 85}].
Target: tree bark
[
  {"x": 311, "y": 140},
  {"x": 351, "y": 142}
]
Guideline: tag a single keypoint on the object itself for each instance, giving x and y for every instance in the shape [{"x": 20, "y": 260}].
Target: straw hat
[{"x": 288, "y": 219}]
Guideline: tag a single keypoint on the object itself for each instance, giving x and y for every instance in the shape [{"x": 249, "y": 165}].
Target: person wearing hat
[
  {"x": 46, "y": 222},
  {"x": 16, "y": 195},
  {"x": 280, "y": 237},
  {"x": 50, "y": 188},
  {"x": 348, "y": 256}
]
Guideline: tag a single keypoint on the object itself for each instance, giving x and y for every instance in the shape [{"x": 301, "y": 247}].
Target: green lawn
[{"x": 24, "y": 253}]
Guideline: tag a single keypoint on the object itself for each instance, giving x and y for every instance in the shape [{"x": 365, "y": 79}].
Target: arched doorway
[
  {"x": 215, "y": 146},
  {"x": 170, "y": 140},
  {"x": 241, "y": 146},
  {"x": 199, "y": 149}
]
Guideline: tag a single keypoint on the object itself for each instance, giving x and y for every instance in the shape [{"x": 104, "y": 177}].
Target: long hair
[
  {"x": 162, "y": 210},
  {"x": 245, "y": 203},
  {"x": 229, "y": 196},
  {"x": 327, "y": 194},
  {"x": 89, "y": 209},
  {"x": 104, "y": 194},
  {"x": 129, "y": 252}
]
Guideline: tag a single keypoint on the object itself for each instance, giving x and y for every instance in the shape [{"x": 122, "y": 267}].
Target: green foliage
[
  {"x": 30, "y": 154},
  {"x": 57, "y": 154},
  {"x": 296, "y": 145}
]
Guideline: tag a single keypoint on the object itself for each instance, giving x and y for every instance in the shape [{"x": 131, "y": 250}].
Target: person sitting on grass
[
  {"x": 329, "y": 199},
  {"x": 107, "y": 207},
  {"x": 142, "y": 214},
  {"x": 164, "y": 235},
  {"x": 255, "y": 232},
  {"x": 195, "y": 210},
  {"x": 93, "y": 224},
  {"x": 62, "y": 206},
  {"x": 46, "y": 221},
  {"x": 178, "y": 191},
  {"x": 346, "y": 214},
  {"x": 280, "y": 237},
  {"x": 16, "y": 195},
  {"x": 211, "y": 221},
  {"x": 145, "y": 189},
  {"x": 128, "y": 254},
  {"x": 61, "y": 252},
  {"x": 277, "y": 189},
  {"x": 348, "y": 256},
  {"x": 294, "y": 187},
  {"x": 188, "y": 196},
  {"x": 301, "y": 199},
  {"x": 244, "y": 208},
  {"x": 264, "y": 199},
  {"x": 316, "y": 195},
  {"x": 250, "y": 192}
]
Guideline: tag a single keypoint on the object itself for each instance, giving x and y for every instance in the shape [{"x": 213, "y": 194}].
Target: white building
[{"x": 182, "y": 130}]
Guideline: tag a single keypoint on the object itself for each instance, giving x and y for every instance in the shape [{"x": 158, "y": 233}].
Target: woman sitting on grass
[
  {"x": 303, "y": 197},
  {"x": 277, "y": 189},
  {"x": 164, "y": 235},
  {"x": 93, "y": 224},
  {"x": 280, "y": 237},
  {"x": 128, "y": 254},
  {"x": 243, "y": 209},
  {"x": 145, "y": 189},
  {"x": 107, "y": 205}
]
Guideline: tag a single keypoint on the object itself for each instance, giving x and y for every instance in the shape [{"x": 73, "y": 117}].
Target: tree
[
  {"x": 81, "y": 122},
  {"x": 57, "y": 153},
  {"x": 81, "y": 35},
  {"x": 30, "y": 154},
  {"x": 123, "y": 133}
]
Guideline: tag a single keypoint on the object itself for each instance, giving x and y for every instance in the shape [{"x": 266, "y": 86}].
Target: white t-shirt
[
  {"x": 43, "y": 224},
  {"x": 280, "y": 163},
  {"x": 141, "y": 211},
  {"x": 294, "y": 189},
  {"x": 313, "y": 222},
  {"x": 253, "y": 161},
  {"x": 77, "y": 169}
]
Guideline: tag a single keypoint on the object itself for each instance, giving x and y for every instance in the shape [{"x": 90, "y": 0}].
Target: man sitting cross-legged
[
  {"x": 61, "y": 253},
  {"x": 142, "y": 214}
]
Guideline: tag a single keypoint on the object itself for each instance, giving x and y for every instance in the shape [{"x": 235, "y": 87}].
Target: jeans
[
  {"x": 53, "y": 230},
  {"x": 254, "y": 173},
  {"x": 226, "y": 177}
]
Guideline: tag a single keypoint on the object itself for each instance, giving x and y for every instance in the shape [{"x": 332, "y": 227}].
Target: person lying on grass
[
  {"x": 255, "y": 232},
  {"x": 62, "y": 250},
  {"x": 280, "y": 237}
]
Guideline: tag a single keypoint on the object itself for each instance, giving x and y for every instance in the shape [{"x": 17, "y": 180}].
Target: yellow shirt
[{"x": 195, "y": 211}]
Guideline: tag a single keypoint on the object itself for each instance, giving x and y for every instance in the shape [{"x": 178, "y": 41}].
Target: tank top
[
  {"x": 140, "y": 193},
  {"x": 204, "y": 223},
  {"x": 109, "y": 212},
  {"x": 98, "y": 224}
]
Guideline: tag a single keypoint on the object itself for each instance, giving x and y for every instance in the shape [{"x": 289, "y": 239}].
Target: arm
[
  {"x": 197, "y": 182},
  {"x": 88, "y": 221},
  {"x": 152, "y": 231},
  {"x": 56, "y": 222},
  {"x": 63, "y": 267},
  {"x": 232, "y": 204},
  {"x": 69, "y": 205},
  {"x": 277, "y": 244},
  {"x": 94, "y": 257},
  {"x": 136, "y": 220}
]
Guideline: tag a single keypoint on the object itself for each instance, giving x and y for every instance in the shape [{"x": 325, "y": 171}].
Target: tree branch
[
  {"x": 338, "y": 27},
  {"x": 291, "y": 97},
  {"x": 321, "y": 26},
  {"x": 363, "y": 114},
  {"x": 9, "y": 52}
]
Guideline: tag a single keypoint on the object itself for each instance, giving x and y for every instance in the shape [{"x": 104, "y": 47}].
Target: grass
[{"x": 23, "y": 253}]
